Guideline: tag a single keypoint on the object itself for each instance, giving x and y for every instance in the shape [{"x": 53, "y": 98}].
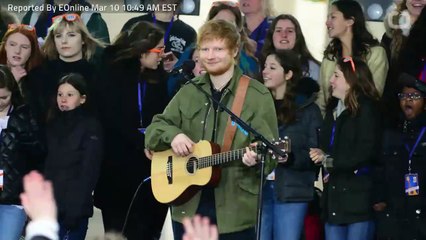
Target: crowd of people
[{"x": 89, "y": 115}]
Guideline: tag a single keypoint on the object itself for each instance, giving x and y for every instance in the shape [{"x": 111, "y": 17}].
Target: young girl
[
  {"x": 75, "y": 145},
  {"x": 348, "y": 145},
  {"x": 19, "y": 50},
  {"x": 401, "y": 211},
  {"x": 285, "y": 33},
  {"x": 69, "y": 47},
  {"x": 350, "y": 37},
  {"x": 290, "y": 188},
  {"x": 20, "y": 152}
]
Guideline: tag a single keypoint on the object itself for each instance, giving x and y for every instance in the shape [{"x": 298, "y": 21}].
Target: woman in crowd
[
  {"x": 285, "y": 33},
  {"x": 130, "y": 100},
  {"x": 349, "y": 146},
  {"x": 20, "y": 151},
  {"x": 19, "y": 50},
  {"x": 290, "y": 188},
  {"x": 75, "y": 147},
  {"x": 68, "y": 47},
  {"x": 398, "y": 25},
  {"x": 257, "y": 19},
  {"x": 350, "y": 37}
]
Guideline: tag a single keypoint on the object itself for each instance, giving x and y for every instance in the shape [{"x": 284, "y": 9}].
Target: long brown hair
[
  {"x": 360, "y": 83},
  {"x": 36, "y": 56},
  {"x": 138, "y": 40},
  {"x": 289, "y": 61},
  {"x": 300, "y": 46},
  {"x": 362, "y": 40}
]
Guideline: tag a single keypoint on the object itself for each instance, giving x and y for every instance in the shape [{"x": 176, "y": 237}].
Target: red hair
[{"x": 36, "y": 56}]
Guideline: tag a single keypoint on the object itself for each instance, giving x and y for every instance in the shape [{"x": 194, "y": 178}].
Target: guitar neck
[{"x": 220, "y": 158}]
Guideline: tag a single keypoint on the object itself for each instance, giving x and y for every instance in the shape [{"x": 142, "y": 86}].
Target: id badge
[
  {"x": 1, "y": 179},
  {"x": 412, "y": 187}
]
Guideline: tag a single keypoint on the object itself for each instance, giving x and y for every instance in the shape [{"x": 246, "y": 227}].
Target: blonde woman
[{"x": 68, "y": 47}]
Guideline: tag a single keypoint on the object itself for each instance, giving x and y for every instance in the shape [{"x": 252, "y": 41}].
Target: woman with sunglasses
[
  {"x": 349, "y": 143},
  {"x": 20, "y": 152},
  {"x": 285, "y": 33},
  {"x": 69, "y": 47},
  {"x": 350, "y": 37},
  {"x": 129, "y": 101},
  {"x": 19, "y": 50}
]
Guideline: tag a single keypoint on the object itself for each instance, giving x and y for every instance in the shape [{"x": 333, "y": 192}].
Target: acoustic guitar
[{"x": 176, "y": 179}]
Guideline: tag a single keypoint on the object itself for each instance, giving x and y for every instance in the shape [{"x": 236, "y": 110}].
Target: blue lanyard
[
  {"x": 411, "y": 152},
  {"x": 141, "y": 96},
  {"x": 168, "y": 30},
  {"x": 333, "y": 132}
]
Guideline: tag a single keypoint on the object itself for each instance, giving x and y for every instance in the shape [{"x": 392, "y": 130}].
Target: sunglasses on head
[
  {"x": 227, "y": 3},
  {"x": 24, "y": 26},
  {"x": 69, "y": 17},
  {"x": 157, "y": 50},
  {"x": 410, "y": 96},
  {"x": 349, "y": 59}
]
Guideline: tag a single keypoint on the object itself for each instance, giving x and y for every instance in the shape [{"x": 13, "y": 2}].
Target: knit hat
[{"x": 418, "y": 81}]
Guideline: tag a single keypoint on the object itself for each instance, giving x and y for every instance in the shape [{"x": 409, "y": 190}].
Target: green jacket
[{"x": 191, "y": 112}]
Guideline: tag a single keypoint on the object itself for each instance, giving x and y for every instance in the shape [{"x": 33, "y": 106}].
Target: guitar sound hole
[{"x": 191, "y": 165}]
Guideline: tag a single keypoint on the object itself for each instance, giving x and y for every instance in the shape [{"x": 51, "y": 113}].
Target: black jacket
[
  {"x": 75, "y": 147},
  {"x": 21, "y": 151},
  {"x": 348, "y": 195},
  {"x": 40, "y": 85},
  {"x": 295, "y": 179},
  {"x": 125, "y": 164},
  {"x": 404, "y": 216}
]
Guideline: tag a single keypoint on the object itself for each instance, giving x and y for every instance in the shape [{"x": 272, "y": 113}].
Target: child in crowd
[
  {"x": 402, "y": 203},
  {"x": 75, "y": 145}
]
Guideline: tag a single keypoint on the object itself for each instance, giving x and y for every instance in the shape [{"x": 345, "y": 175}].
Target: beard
[{"x": 220, "y": 70}]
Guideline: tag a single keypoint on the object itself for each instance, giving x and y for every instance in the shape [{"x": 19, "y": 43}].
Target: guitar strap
[{"x": 237, "y": 107}]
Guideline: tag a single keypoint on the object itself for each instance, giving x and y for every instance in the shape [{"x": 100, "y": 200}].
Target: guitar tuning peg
[
  {"x": 279, "y": 139},
  {"x": 274, "y": 157}
]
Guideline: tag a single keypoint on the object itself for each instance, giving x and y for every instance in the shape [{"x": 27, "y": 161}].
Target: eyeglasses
[
  {"x": 410, "y": 96},
  {"x": 157, "y": 50},
  {"x": 227, "y": 3},
  {"x": 24, "y": 26},
  {"x": 69, "y": 17},
  {"x": 349, "y": 59}
]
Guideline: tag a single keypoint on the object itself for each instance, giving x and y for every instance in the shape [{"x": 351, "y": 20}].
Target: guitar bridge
[{"x": 170, "y": 169}]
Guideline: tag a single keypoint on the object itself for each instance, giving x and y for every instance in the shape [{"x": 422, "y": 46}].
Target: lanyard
[
  {"x": 411, "y": 152},
  {"x": 333, "y": 132},
  {"x": 168, "y": 30},
  {"x": 141, "y": 96}
]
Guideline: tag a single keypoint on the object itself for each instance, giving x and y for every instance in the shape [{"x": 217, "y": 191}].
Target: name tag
[{"x": 412, "y": 187}]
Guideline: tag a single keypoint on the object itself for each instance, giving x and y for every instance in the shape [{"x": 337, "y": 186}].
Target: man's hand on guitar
[
  {"x": 182, "y": 145},
  {"x": 250, "y": 157}
]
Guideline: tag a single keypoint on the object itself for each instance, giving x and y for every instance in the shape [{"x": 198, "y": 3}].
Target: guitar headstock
[{"x": 283, "y": 144}]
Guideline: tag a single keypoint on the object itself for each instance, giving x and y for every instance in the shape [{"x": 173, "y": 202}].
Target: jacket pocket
[{"x": 190, "y": 111}]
